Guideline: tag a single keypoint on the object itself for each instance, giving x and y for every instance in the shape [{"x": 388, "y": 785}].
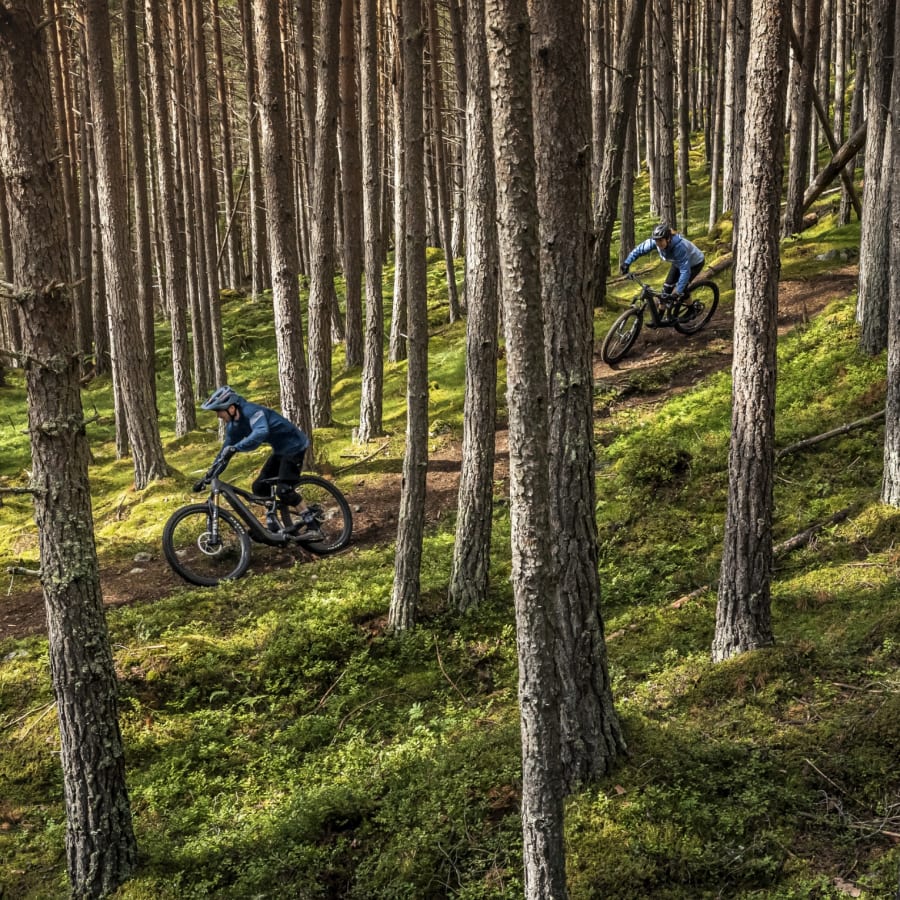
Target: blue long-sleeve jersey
[
  {"x": 679, "y": 251},
  {"x": 260, "y": 425}
]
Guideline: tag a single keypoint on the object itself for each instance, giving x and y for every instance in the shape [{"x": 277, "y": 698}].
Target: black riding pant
[
  {"x": 674, "y": 274},
  {"x": 284, "y": 468}
]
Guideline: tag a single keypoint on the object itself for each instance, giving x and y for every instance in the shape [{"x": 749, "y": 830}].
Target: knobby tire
[{"x": 188, "y": 551}]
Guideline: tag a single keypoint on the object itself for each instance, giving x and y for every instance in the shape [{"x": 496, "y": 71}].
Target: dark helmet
[
  {"x": 222, "y": 398},
  {"x": 661, "y": 232}
]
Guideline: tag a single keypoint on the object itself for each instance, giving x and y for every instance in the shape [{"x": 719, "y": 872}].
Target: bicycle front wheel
[
  {"x": 621, "y": 336},
  {"x": 697, "y": 308},
  {"x": 202, "y": 551},
  {"x": 332, "y": 512}
]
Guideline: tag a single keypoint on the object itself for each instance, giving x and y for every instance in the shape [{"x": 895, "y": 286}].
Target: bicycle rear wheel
[
  {"x": 332, "y": 512},
  {"x": 697, "y": 308},
  {"x": 198, "y": 557},
  {"x": 621, "y": 337}
]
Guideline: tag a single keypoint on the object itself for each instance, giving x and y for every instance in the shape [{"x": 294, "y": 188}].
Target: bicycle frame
[
  {"x": 233, "y": 495},
  {"x": 647, "y": 300}
]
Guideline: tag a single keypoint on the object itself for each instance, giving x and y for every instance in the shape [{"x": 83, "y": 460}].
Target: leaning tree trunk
[
  {"x": 472, "y": 548},
  {"x": 529, "y": 489},
  {"x": 743, "y": 614},
  {"x": 101, "y": 851}
]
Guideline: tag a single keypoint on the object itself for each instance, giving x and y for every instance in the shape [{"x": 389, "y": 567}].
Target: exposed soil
[{"x": 375, "y": 499}]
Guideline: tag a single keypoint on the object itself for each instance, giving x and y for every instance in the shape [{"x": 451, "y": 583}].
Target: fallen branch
[
  {"x": 792, "y": 543},
  {"x": 19, "y": 570},
  {"x": 362, "y": 459},
  {"x": 843, "y": 429},
  {"x": 800, "y": 540},
  {"x": 452, "y": 683}
]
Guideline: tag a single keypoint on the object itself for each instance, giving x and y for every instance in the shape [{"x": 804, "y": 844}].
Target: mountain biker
[
  {"x": 247, "y": 426},
  {"x": 686, "y": 258}
]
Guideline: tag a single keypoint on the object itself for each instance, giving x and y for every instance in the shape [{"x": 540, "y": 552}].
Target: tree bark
[
  {"x": 874, "y": 245},
  {"x": 743, "y": 613},
  {"x": 890, "y": 486},
  {"x": 801, "y": 117},
  {"x": 131, "y": 368},
  {"x": 171, "y": 217},
  {"x": 411, "y": 525},
  {"x": 372, "y": 391},
  {"x": 623, "y": 96},
  {"x": 275, "y": 157},
  {"x": 590, "y": 735},
  {"x": 527, "y": 401},
  {"x": 101, "y": 852},
  {"x": 471, "y": 551},
  {"x": 442, "y": 176},
  {"x": 321, "y": 287},
  {"x": 351, "y": 187}
]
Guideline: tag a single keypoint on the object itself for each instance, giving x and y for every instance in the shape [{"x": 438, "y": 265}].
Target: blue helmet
[{"x": 222, "y": 398}]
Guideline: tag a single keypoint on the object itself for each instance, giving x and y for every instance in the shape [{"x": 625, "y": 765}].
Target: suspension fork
[{"x": 212, "y": 515}]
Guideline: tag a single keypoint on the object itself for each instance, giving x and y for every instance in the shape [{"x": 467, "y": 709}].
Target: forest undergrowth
[{"x": 280, "y": 743}]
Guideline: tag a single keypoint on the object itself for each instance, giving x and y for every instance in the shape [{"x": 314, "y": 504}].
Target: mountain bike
[
  {"x": 206, "y": 543},
  {"x": 687, "y": 314}
]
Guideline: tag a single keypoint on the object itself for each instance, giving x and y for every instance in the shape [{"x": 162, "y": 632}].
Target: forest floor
[{"x": 375, "y": 500}]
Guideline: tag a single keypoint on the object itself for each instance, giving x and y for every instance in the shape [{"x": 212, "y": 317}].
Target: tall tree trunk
[
  {"x": 233, "y": 265},
  {"x": 599, "y": 15},
  {"x": 411, "y": 524},
  {"x": 590, "y": 735},
  {"x": 66, "y": 128},
  {"x": 143, "y": 262},
  {"x": 372, "y": 392},
  {"x": 683, "y": 58},
  {"x": 397, "y": 345},
  {"x": 131, "y": 368},
  {"x": 529, "y": 483},
  {"x": 801, "y": 116},
  {"x": 472, "y": 548},
  {"x": 293, "y": 377},
  {"x": 351, "y": 186},
  {"x": 662, "y": 85},
  {"x": 890, "y": 487},
  {"x": 442, "y": 176},
  {"x": 717, "y": 115},
  {"x": 208, "y": 200},
  {"x": 171, "y": 219},
  {"x": 743, "y": 613},
  {"x": 259, "y": 272},
  {"x": 321, "y": 286},
  {"x": 458, "y": 166},
  {"x": 101, "y": 852},
  {"x": 874, "y": 246},
  {"x": 737, "y": 37},
  {"x": 622, "y": 98}
]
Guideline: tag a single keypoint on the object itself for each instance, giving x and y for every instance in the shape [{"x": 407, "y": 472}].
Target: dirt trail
[{"x": 375, "y": 499}]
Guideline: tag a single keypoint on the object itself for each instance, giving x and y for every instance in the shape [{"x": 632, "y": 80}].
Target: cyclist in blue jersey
[
  {"x": 247, "y": 426},
  {"x": 686, "y": 258}
]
